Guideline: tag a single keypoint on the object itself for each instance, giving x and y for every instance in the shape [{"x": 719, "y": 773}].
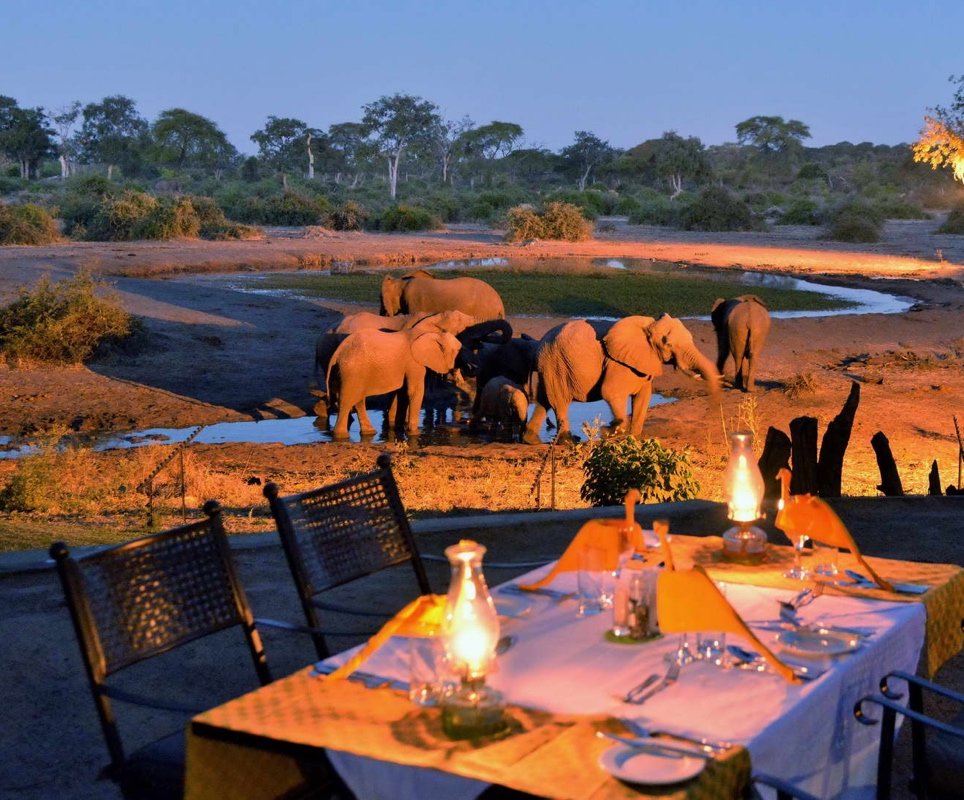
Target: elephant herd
[{"x": 437, "y": 336}]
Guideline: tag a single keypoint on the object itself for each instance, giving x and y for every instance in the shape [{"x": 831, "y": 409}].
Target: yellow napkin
[
  {"x": 806, "y": 515},
  {"x": 603, "y": 534},
  {"x": 422, "y": 617},
  {"x": 689, "y": 602}
]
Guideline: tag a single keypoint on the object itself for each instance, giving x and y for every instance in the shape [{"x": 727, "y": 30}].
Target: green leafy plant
[
  {"x": 558, "y": 221},
  {"x": 26, "y": 224},
  {"x": 954, "y": 222},
  {"x": 62, "y": 323},
  {"x": 616, "y": 465},
  {"x": 855, "y": 221},
  {"x": 408, "y": 218},
  {"x": 349, "y": 216},
  {"x": 715, "y": 209}
]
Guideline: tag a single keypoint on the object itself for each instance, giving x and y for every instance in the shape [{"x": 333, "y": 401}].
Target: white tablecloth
[{"x": 803, "y": 733}]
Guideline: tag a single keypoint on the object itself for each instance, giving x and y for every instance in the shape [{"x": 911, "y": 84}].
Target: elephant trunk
[
  {"x": 492, "y": 332},
  {"x": 692, "y": 359}
]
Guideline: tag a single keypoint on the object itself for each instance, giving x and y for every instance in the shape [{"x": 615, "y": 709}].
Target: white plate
[
  {"x": 817, "y": 643},
  {"x": 637, "y": 766},
  {"x": 512, "y": 606}
]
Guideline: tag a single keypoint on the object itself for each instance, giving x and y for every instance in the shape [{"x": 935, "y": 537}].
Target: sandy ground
[{"x": 218, "y": 354}]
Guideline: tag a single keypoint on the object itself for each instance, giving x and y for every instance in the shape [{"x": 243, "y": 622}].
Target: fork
[
  {"x": 640, "y": 687},
  {"x": 709, "y": 745},
  {"x": 664, "y": 683}
]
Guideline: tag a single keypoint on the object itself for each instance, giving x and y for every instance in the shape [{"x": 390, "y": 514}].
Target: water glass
[
  {"x": 711, "y": 647},
  {"x": 826, "y": 559},
  {"x": 426, "y": 662},
  {"x": 592, "y": 581}
]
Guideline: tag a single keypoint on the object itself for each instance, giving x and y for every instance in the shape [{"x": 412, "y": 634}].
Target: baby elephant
[
  {"x": 502, "y": 402},
  {"x": 742, "y": 324}
]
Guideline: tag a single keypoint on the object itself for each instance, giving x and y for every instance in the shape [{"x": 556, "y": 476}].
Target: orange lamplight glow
[
  {"x": 471, "y": 626},
  {"x": 743, "y": 482}
]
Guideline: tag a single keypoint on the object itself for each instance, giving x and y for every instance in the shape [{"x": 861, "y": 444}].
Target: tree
[
  {"x": 284, "y": 144},
  {"x": 772, "y": 134},
  {"x": 449, "y": 140},
  {"x": 64, "y": 119},
  {"x": 396, "y": 124},
  {"x": 185, "y": 139},
  {"x": 485, "y": 145},
  {"x": 670, "y": 158},
  {"x": 25, "y": 135},
  {"x": 586, "y": 152},
  {"x": 114, "y": 134},
  {"x": 348, "y": 150},
  {"x": 941, "y": 142}
]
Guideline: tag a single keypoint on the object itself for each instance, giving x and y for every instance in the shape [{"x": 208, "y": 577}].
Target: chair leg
[
  {"x": 885, "y": 758},
  {"x": 918, "y": 741}
]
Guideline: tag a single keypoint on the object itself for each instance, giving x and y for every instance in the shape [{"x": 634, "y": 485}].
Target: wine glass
[{"x": 797, "y": 571}]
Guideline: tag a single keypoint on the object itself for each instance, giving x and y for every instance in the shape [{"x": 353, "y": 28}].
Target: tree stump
[
  {"x": 934, "y": 481},
  {"x": 835, "y": 441},
  {"x": 775, "y": 456},
  {"x": 889, "y": 478},
  {"x": 803, "y": 438}
]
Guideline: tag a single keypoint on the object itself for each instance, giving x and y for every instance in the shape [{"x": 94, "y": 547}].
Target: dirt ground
[{"x": 215, "y": 353}]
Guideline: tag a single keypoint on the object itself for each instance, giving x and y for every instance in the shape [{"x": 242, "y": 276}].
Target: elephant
[
  {"x": 611, "y": 361},
  {"x": 741, "y": 324},
  {"x": 422, "y": 291},
  {"x": 514, "y": 359},
  {"x": 449, "y": 321},
  {"x": 372, "y": 362},
  {"x": 502, "y": 402}
]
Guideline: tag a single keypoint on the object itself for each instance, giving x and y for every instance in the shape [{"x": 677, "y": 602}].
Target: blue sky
[{"x": 627, "y": 71}]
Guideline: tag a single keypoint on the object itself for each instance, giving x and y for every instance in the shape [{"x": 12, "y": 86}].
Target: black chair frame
[
  {"x": 146, "y": 597},
  {"x": 785, "y": 791},
  {"x": 888, "y": 700},
  {"x": 339, "y": 533}
]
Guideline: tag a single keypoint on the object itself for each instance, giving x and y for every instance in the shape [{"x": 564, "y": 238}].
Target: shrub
[
  {"x": 491, "y": 206},
  {"x": 715, "y": 209},
  {"x": 168, "y": 219},
  {"x": 292, "y": 208},
  {"x": 590, "y": 202},
  {"x": 854, "y": 221},
  {"x": 954, "y": 222},
  {"x": 626, "y": 205},
  {"x": 894, "y": 208},
  {"x": 811, "y": 172},
  {"x": 558, "y": 221},
  {"x": 407, "y": 218},
  {"x": 616, "y": 465},
  {"x": 349, "y": 216},
  {"x": 26, "y": 224},
  {"x": 654, "y": 210},
  {"x": 801, "y": 212},
  {"x": 115, "y": 219},
  {"x": 62, "y": 323}
]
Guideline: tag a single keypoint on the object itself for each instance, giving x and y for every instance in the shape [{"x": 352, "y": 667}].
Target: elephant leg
[
  {"x": 616, "y": 400},
  {"x": 722, "y": 351},
  {"x": 416, "y": 393},
  {"x": 749, "y": 379},
  {"x": 739, "y": 340},
  {"x": 641, "y": 408},
  {"x": 531, "y": 433},
  {"x": 364, "y": 421},
  {"x": 345, "y": 405}
]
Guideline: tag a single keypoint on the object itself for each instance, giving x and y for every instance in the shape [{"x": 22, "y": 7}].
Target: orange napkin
[
  {"x": 661, "y": 529},
  {"x": 603, "y": 534},
  {"x": 806, "y": 515},
  {"x": 422, "y": 617},
  {"x": 689, "y": 602}
]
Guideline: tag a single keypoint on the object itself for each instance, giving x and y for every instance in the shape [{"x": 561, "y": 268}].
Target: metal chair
[
  {"x": 938, "y": 759},
  {"x": 784, "y": 790},
  {"x": 141, "y": 599},
  {"x": 340, "y": 533}
]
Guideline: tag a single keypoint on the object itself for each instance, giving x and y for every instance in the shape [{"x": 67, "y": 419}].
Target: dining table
[{"x": 564, "y": 679}]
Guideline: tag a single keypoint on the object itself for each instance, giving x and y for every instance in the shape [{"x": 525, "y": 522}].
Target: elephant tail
[{"x": 333, "y": 383}]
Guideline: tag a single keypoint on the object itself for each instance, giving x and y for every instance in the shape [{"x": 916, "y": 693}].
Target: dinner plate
[
  {"x": 512, "y": 606},
  {"x": 817, "y": 642},
  {"x": 633, "y": 765}
]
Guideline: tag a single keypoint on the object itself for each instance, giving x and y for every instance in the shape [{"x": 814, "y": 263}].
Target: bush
[
  {"x": 801, "y": 212},
  {"x": 626, "y": 205},
  {"x": 407, "y": 218},
  {"x": 954, "y": 222},
  {"x": 169, "y": 219},
  {"x": 524, "y": 223},
  {"x": 590, "y": 202},
  {"x": 715, "y": 209},
  {"x": 811, "y": 172},
  {"x": 855, "y": 222},
  {"x": 115, "y": 219},
  {"x": 290, "y": 208},
  {"x": 654, "y": 210},
  {"x": 62, "y": 323},
  {"x": 492, "y": 206},
  {"x": 349, "y": 216},
  {"x": 894, "y": 208},
  {"x": 26, "y": 224},
  {"x": 558, "y": 221},
  {"x": 616, "y": 465}
]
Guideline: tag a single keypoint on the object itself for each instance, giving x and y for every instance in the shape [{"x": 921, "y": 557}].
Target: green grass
[{"x": 594, "y": 292}]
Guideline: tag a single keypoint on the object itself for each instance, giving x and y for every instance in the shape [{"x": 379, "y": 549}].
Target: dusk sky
[{"x": 865, "y": 70}]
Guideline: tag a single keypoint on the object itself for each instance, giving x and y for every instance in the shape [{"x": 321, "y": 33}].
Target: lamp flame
[{"x": 743, "y": 482}]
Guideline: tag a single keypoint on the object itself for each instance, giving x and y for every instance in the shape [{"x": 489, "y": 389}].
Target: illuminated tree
[{"x": 941, "y": 142}]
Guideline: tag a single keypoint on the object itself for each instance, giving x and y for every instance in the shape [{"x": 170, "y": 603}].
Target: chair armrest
[
  {"x": 292, "y": 627},
  {"x": 785, "y": 791},
  {"x": 493, "y": 564},
  {"x": 927, "y": 685},
  {"x": 909, "y": 713},
  {"x": 149, "y": 702}
]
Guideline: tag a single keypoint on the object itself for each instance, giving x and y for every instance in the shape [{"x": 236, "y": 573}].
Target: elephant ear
[
  {"x": 391, "y": 296},
  {"x": 717, "y": 303},
  {"x": 419, "y": 273},
  {"x": 628, "y": 343},
  {"x": 751, "y": 298},
  {"x": 437, "y": 351}
]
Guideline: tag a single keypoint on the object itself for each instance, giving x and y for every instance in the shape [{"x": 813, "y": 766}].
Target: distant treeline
[{"x": 402, "y": 154}]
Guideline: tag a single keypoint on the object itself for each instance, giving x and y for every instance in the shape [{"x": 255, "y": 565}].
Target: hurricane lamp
[
  {"x": 470, "y": 633},
  {"x": 743, "y": 486}
]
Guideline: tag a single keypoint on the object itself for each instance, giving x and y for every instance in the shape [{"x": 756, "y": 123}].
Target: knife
[
  {"x": 659, "y": 748},
  {"x": 370, "y": 679},
  {"x": 515, "y": 588},
  {"x": 904, "y": 588}
]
